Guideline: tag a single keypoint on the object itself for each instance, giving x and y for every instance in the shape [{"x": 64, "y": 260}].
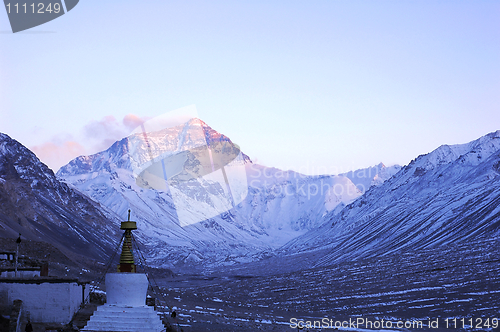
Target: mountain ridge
[
  {"x": 35, "y": 203},
  {"x": 451, "y": 194},
  {"x": 279, "y": 204}
]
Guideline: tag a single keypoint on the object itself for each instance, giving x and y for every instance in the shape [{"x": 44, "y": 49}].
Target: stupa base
[{"x": 119, "y": 318}]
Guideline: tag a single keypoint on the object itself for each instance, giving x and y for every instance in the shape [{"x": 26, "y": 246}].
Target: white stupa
[{"x": 125, "y": 308}]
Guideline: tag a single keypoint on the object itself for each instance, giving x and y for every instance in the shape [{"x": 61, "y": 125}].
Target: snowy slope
[
  {"x": 278, "y": 205},
  {"x": 365, "y": 178},
  {"x": 451, "y": 195},
  {"x": 35, "y": 203}
]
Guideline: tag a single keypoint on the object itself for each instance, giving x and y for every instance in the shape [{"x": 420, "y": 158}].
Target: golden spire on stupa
[{"x": 127, "y": 263}]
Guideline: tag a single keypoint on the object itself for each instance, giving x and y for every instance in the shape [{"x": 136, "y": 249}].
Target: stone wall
[
  {"x": 46, "y": 301},
  {"x": 21, "y": 273}
]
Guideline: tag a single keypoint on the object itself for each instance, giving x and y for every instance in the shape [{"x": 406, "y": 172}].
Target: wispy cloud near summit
[{"x": 95, "y": 136}]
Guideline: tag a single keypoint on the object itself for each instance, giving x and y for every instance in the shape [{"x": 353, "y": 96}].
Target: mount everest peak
[
  {"x": 191, "y": 209},
  {"x": 141, "y": 147},
  {"x": 199, "y": 201}
]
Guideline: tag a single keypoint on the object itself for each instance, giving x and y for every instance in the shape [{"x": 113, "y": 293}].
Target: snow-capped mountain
[
  {"x": 449, "y": 196},
  {"x": 365, "y": 178},
  {"x": 36, "y": 204},
  {"x": 276, "y": 207}
]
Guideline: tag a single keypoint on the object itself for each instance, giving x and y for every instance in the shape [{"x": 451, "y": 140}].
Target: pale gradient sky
[{"x": 304, "y": 85}]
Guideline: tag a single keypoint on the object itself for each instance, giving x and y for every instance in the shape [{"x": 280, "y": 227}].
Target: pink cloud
[
  {"x": 103, "y": 133},
  {"x": 132, "y": 121},
  {"x": 96, "y": 136},
  {"x": 55, "y": 154}
]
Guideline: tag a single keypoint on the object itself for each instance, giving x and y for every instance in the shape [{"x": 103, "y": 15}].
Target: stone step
[
  {"x": 129, "y": 320},
  {"x": 123, "y": 318},
  {"x": 125, "y": 314},
  {"x": 103, "y": 318},
  {"x": 117, "y": 308},
  {"x": 117, "y": 326},
  {"x": 120, "y": 326},
  {"x": 123, "y": 329}
]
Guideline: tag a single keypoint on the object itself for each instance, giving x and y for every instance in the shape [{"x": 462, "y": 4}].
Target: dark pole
[{"x": 18, "y": 242}]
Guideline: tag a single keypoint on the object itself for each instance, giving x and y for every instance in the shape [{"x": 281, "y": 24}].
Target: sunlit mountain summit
[{"x": 192, "y": 187}]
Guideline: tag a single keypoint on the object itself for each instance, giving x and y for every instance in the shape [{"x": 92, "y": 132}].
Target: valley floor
[
  {"x": 456, "y": 281},
  {"x": 459, "y": 282}
]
